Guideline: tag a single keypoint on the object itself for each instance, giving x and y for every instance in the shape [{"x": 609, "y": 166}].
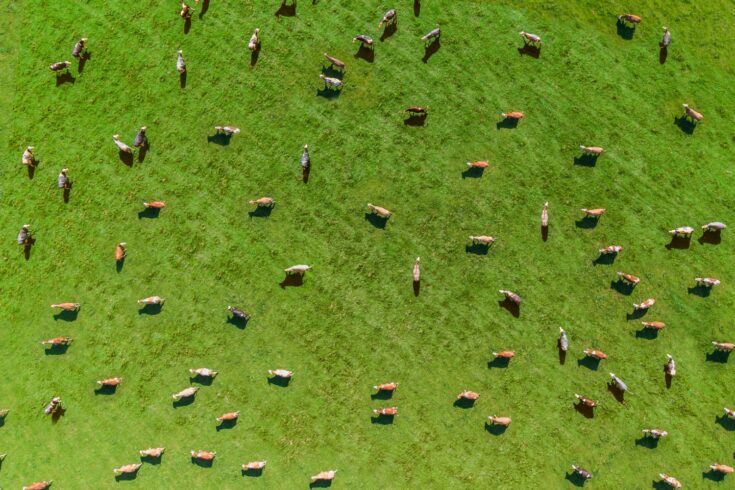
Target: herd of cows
[{"x": 467, "y": 397}]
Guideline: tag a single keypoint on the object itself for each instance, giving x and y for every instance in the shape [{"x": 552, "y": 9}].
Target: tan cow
[
  {"x": 629, "y": 278},
  {"x": 654, "y": 325},
  {"x": 185, "y": 393},
  {"x": 264, "y": 202},
  {"x": 387, "y": 412},
  {"x": 203, "y": 455},
  {"x": 229, "y": 416},
  {"x": 644, "y": 305},
  {"x": 692, "y": 114},
  {"x": 595, "y": 354},
  {"x": 109, "y": 382},
  {"x": 153, "y": 452},
  {"x": 495, "y": 420},
  {"x": 592, "y": 150},
  {"x": 127, "y": 469},
  {"x": 515, "y": 115},
  {"x": 67, "y": 306},
  {"x": 382, "y": 212},
  {"x": 594, "y": 212},
  {"x": 120, "y": 251},
  {"x": 386, "y": 386}
]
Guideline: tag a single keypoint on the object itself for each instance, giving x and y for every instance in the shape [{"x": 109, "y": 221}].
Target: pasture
[{"x": 356, "y": 320}]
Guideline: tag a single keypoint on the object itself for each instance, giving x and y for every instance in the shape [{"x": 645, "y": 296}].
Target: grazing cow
[
  {"x": 545, "y": 215},
  {"x": 510, "y": 295},
  {"x": 654, "y": 433},
  {"x": 24, "y": 235},
  {"x": 180, "y": 63},
  {"x": 254, "y": 40},
  {"x": 365, "y": 40},
  {"x": 482, "y": 239},
  {"x": 52, "y": 406},
  {"x": 587, "y": 402},
  {"x": 529, "y": 38},
  {"x": 57, "y": 341},
  {"x": 654, "y": 325},
  {"x": 618, "y": 382},
  {"x": 386, "y": 386},
  {"x": 495, "y": 420},
  {"x": 28, "y": 158},
  {"x": 39, "y": 485},
  {"x": 335, "y": 62},
  {"x": 584, "y": 474},
  {"x": 390, "y": 17},
  {"x": 729, "y": 413},
  {"x": 203, "y": 455},
  {"x": 593, "y": 213},
  {"x": 229, "y": 416},
  {"x": 592, "y": 150},
  {"x": 227, "y": 130},
  {"x": 714, "y": 226},
  {"x": 79, "y": 48},
  {"x": 630, "y": 18},
  {"x": 629, "y": 278},
  {"x": 281, "y": 373},
  {"x": 335, "y": 83},
  {"x": 120, "y": 145},
  {"x": 382, "y": 212},
  {"x": 563, "y": 340},
  {"x": 670, "y": 367},
  {"x": 239, "y": 313},
  {"x": 154, "y": 204},
  {"x": 595, "y": 354},
  {"x": 468, "y": 395},
  {"x": 203, "y": 372},
  {"x": 62, "y": 181},
  {"x": 666, "y": 39},
  {"x": 724, "y": 346},
  {"x": 478, "y": 164},
  {"x": 515, "y": 115},
  {"x": 324, "y": 476},
  {"x": 416, "y": 110},
  {"x": 59, "y": 66},
  {"x": 140, "y": 138},
  {"x": 386, "y": 412},
  {"x": 151, "y": 300},
  {"x": 186, "y": 11},
  {"x": 67, "y": 306},
  {"x": 670, "y": 480},
  {"x": 263, "y": 202},
  {"x": 254, "y": 466},
  {"x": 417, "y": 270},
  {"x": 432, "y": 34},
  {"x": 707, "y": 281},
  {"x": 692, "y": 114},
  {"x": 185, "y": 393},
  {"x": 153, "y": 452},
  {"x": 297, "y": 269},
  {"x": 305, "y": 158},
  {"x": 611, "y": 249},
  {"x": 721, "y": 468},
  {"x": 682, "y": 231},
  {"x": 109, "y": 382},
  {"x": 506, "y": 354},
  {"x": 127, "y": 469},
  {"x": 120, "y": 251},
  {"x": 644, "y": 305}
]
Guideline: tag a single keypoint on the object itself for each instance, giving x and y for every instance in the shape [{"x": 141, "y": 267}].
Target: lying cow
[
  {"x": 670, "y": 480},
  {"x": 185, "y": 393}
]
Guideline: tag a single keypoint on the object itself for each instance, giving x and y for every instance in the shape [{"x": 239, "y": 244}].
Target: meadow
[{"x": 356, "y": 320}]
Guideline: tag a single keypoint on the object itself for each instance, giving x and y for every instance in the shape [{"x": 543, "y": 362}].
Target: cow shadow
[
  {"x": 720, "y": 356},
  {"x": 498, "y": 363},
  {"x": 328, "y": 92},
  {"x": 605, "y": 259},
  {"x": 415, "y": 120},
  {"x": 252, "y": 472},
  {"x": 647, "y": 442},
  {"x": 668, "y": 379},
  {"x": 222, "y": 139},
  {"x": 416, "y": 8},
  {"x": 530, "y": 50},
  {"x": 187, "y": 25},
  {"x": 382, "y": 419},
  {"x": 587, "y": 222},
  {"x": 562, "y": 354},
  {"x": 660, "y": 485},
  {"x": 28, "y": 246},
  {"x": 507, "y": 123},
  {"x": 67, "y": 316},
  {"x": 685, "y": 124},
  {"x": 700, "y": 290},
  {"x": 125, "y": 157},
  {"x": 203, "y": 463},
  {"x": 66, "y": 77},
  {"x": 261, "y": 212},
  {"x": 464, "y": 403},
  {"x": 375, "y": 220},
  {"x": 254, "y": 55},
  {"x": 119, "y": 265},
  {"x": 67, "y": 193},
  {"x": 226, "y": 424},
  {"x": 496, "y": 430},
  {"x": 477, "y": 249},
  {"x": 587, "y": 412},
  {"x": 636, "y": 314},
  {"x": 183, "y": 402},
  {"x": 295, "y": 280},
  {"x": 575, "y": 479},
  {"x": 143, "y": 151},
  {"x": 201, "y": 380},
  {"x": 624, "y": 30},
  {"x": 331, "y": 71},
  {"x": 544, "y": 233},
  {"x": 237, "y": 321},
  {"x": 647, "y": 333},
  {"x": 431, "y": 49},
  {"x": 389, "y": 30},
  {"x": 591, "y": 363},
  {"x": 663, "y": 53},
  {"x": 286, "y": 10},
  {"x": 83, "y": 58},
  {"x": 622, "y": 287},
  {"x": 182, "y": 80},
  {"x": 616, "y": 392},
  {"x": 149, "y": 213},
  {"x": 710, "y": 237},
  {"x": 586, "y": 160},
  {"x": 204, "y": 8},
  {"x": 512, "y": 307},
  {"x": 473, "y": 173},
  {"x": 416, "y": 288},
  {"x": 382, "y": 395},
  {"x": 56, "y": 350},
  {"x": 320, "y": 484},
  {"x": 305, "y": 172},
  {"x": 365, "y": 53},
  {"x": 279, "y": 381},
  {"x": 150, "y": 309},
  {"x": 713, "y": 475},
  {"x": 679, "y": 243},
  {"x": 726, "y": 422},
  {"x": 105, "y": 390},
  {"x": 31, "y": 170},
  {"x": 57, "y": 414},
  {"x": 152, "y": 460}
]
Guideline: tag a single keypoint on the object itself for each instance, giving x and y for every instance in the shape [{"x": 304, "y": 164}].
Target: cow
[
  {"x": 364, "y": 40},
  {"x": 154, "y": 204},
  {"x": 52, "y": 406},
  {"x": 707, "y": 281},
  {"x": 186, "y": 11},
  {"x": 39, "y": 485},
  {"x": 723, "y": 346},
  {"x": 324, "y": 476},
  {"x": 654, "y": 433},
  {"x": 692, "y": 114},
  {"x": 153, "y": 452},
  {"x": 254, "y": 40},
  {"x": 66, "y": 306},
  {"x": 529, "y": 38},
  {"x": 238, "y": 313},
  {"x": 593, "y": 213},
  {"x": 495, "y": 420},
  {"x": 563, "y": 340},
  {"x": 254, "y": 466},
  {"x": 62, "y": 181},
  {"x": 629, "y": 278},
  {"x": 670, "y": 480},
  {"x": 120, "y": 145},
  {"x": 416, "y": 110},
  {"x": 281, "y": 373},
  {"x": 390, "y": 17},
  {"x": 127, "y": 469},
  {"x": 587, "y": 402},
  {"x": 141, "y": 139},
  {"x": 654, "y": 325},
  {"x": 57, "y": 341},
  {"x": 380, "y": 211},
  {"x": 417, "y": 270},
  {"x": 24, "y": 235},
  {"x": 478, "y": 164},
  {"x": 545, "y": 215},
  {"x": 120, "y": 251},
  {"x": 151, "y": 300},
  {"x": 203, "y": 372},
  {"x": 79, "y": 48},
  {"x": 721, "y": 468},
  {"x": 109, "y": 382},
  {"x": 203, "y": 455},
  {"x": 297, "y": 269},
  {"x": 670, "y": 366},
  {"x": 335, "y": 62},
  {"x": 386, "y": 412},
  {"x": 584, "y": 474},
  {"x": 714, "y": 226},
  {"x": 644, "y": 305},
  {"x": 227, "y": 130},
  {"x": 514, "y": 115},
  {"x": 468, "y": 395},
  {"x": 682, "y": 232},
  {"x": 185, "y": 393},
  {"x": 611, "y": 249},
  {"x": 28, "y": 158},
  {"x": 332, "y": 82},
  {"x": 729, "y": 413},
  {"x": 482, "y": 239},
  {"x": 506, "y": 354},
  {"x": 305, "y": 158},
  {"x": 510, "y": 295},
  {"x": 180, "y": 63},
  {"x": 263, "y": 202},
  {"x": 666, "y": 40},
  {"x": 629, "y": 18},
  {"x": 386, "y": 386},
  {"x": 4, "y": 412},
  {"x": 432, "y": 34},
  {"x": 227, "y": 417},
  {"x": 59, "y": 66},
  {"x": 592, "y": 150},
  {"x": 618, "y": 382},
  {"x": 595, "y": 354}
]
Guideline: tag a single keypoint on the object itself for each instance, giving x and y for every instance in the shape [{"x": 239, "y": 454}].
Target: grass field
[{"x": 355, "y": 321}]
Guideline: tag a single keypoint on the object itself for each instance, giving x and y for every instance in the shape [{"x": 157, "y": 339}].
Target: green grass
[{"x": 355, "y": 321}]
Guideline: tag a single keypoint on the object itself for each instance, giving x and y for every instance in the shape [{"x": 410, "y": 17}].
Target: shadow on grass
[
  {"x": 187, "y": 25},
  {"x": 720, "y": 356},
  {"x": 125, "y": 157},
  {"x": 416, "y": 8},
  {"x": 726, "y": 422},
  {"x": 416, "y": 288},
  {"x": 86, "y": 56},
  {"x": 237, "y": 321},
  {"x": 679, "y": 243},
  {"x": 637, "y": 314},
  {"x": 182, "y": 80},
  {"x": 143, "y": 151},
  {"x": 67, "y": 316},
  {"x": 149, "y": 213},
  {"x": 647, "y": 442},
  {"x": 512, "y": 307},
  {"x": 305, "y": 172},
  {"x": 261, "y": 212},
  {"x": 700, "y": 290},
  {"x": 624, "y": 30},
  {"x": 222, "y": 139},
  {"x": 587, "y": 222},
  {"x": 205, "y": 7},
  {"x": 292, "y": 280},
  {"x": 713, "y": 475},
  {"x": 507, "y": 123},
  {"x": 416, "y": 120},
  {"x": 389, "y": 30},
  {"x": 660, "y": 485},
  {"x": 431, "y": 49},
  {"x": 663, "y": 53},
  {"x": 647, "y": 333},
  {"x": 254, "y": 55},
  {"x": 562, "y": 354},
  {"x": 498, "y": 363},
  {"x": 202, "y": 463},
  {"x": 605, "y": 259},
  {"x": 463, "y": 403},
  {"x": 286, "y": 10},
  {"x": 67, "y": 193},
  {"x": 119, "y": 264},
  {"x": 320, "y": 484},
  {"x": 328, "y": 92},
  {"x": 587, "y": 412},
  {"x": 126, "y": 476},
  {"x": 668, "y": 379},
  {"x": 544, "y": 233},
  {"x": 151, "y": 460},
  {"x": 710, "y": 237},
  {"x": 331, "y": 71},
  {"x": 105, "y": 390},
  {"x": 496, "y": 430},
  {"x": 58, "y": 413},
  {"x": 201, "y": 380},
  {"x": 477, "y": 249},
  {"x": 382, "y": 419},
  {"x": 252, "y": 472},
  {"x": 365, "y": 53},
  {"x": 375, "y": 220},
  {"x": 31, "y": 170},
  {"x": 278, "y": 381},
  {"x": 530, "y": 50},
  {"x": 591, "y": 363},
  {"x": 226, "y": 424},
  {"x": 65, "y": 78},
  {"x": 382, "y": 395},
  {"x": 473, "y": 173},
  {"x": 150, "y": 310},
  {"x": 575, "y": 479},
  {"x": 686, "y": 126},
  {"x": 183, "y": 402},
  {"x": 586, "y": 160},
  {"x": 616, "y": 392},
  {"x": 56, "y": 350},
  {"x": 622, "y": 287},
  {"x": 28, "y": 246}
]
